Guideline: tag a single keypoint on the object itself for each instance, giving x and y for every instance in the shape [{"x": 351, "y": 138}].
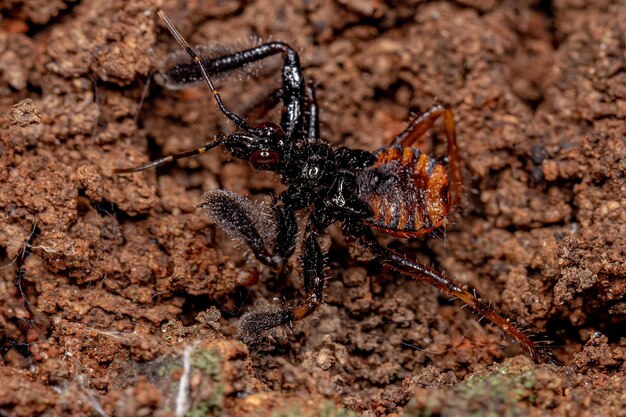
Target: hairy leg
[
  {"x": 292, "y": 78},
  {"x": 253, "y": 325},
  {"x": 254, "y": 224}
]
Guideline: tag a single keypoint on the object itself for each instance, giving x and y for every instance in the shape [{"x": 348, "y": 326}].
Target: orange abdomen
[{"x": 407, "y": 190}]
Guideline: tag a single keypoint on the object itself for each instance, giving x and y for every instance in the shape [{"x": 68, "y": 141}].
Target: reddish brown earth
[{"x": 108, "y": 282}]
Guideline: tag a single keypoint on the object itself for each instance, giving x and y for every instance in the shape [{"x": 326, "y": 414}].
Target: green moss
[
  {"x": 164, "y": 370},
  {"x": 172, "y": 331},
  {"x": 330, "y": 410},
  {"x": 205, "y": 408},
  {"x": 498, "y": 395},
  {"x": 208, "y": 361}
]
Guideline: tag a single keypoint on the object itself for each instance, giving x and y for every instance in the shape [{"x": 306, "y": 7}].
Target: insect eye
[{"x": 264, "y": 159}]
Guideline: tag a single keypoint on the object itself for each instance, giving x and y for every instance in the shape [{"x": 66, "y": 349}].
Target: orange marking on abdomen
[
  {"x": 437, "y": 199},
  {"x": 407, "y": 157},
  {"x": 376, "y": 205},
  {"x": 418, "y": 202},
  {"x": 420, "y": 166},
  {"x": 391, "y": 211},
  {"x": 403, "y": 216}
]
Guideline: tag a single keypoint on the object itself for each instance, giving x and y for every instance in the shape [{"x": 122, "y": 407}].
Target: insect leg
[
  {"x": 205, "y": 76},
  {"x": 448, "y": 287},
  {"x": 253, "y": 324},
  {"x": 286, "y": 231},
  {"x": 244, "y": 219},
  {"x": 292, "y": 78},
  {"x": 312, "y": 123},
  {"x": 418, "y": 128},
  {"x": 258, "y": 110}
]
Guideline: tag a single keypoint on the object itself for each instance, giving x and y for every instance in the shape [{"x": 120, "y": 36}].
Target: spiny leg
[
  {"x": 292, "y": 78},
  {"x": 244, "y": 219},
  {"x": 252, "y": 325},
  {"x": 448, "y": 287},
  {"x": 418, "y": 128}
]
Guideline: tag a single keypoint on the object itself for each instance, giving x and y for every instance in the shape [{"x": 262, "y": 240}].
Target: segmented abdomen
[{"x": 407, "y": 190}]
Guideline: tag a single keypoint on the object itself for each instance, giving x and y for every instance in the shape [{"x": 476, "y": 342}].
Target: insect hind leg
[
  {"x": 420, "y": 126},
  {"x": 448, "y": 287}
]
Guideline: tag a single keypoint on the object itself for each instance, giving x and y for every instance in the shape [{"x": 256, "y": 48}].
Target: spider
[{"x": 397, "y": 189}]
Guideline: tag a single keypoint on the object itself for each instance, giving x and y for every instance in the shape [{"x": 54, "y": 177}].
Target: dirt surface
[{"x": 115, "y": 291}]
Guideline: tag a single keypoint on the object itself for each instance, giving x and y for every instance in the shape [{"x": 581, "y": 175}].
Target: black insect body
[{"x": 397, "y": 189}]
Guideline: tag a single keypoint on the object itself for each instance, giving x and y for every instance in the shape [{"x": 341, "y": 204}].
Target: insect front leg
[
  {"x": 286, "y": 231},
  {"x": 253, "y": 325},
  {"x": 254, "y": 224}
]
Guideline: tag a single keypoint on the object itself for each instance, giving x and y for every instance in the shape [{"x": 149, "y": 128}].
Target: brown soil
[{"x": 109, "y": 284}]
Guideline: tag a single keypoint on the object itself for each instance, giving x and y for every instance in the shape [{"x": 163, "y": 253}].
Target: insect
[{"x": 397, "y": 189}]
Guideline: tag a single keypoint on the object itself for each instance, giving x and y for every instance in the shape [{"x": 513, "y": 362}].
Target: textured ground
[{"x": 110, "y": 284}]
